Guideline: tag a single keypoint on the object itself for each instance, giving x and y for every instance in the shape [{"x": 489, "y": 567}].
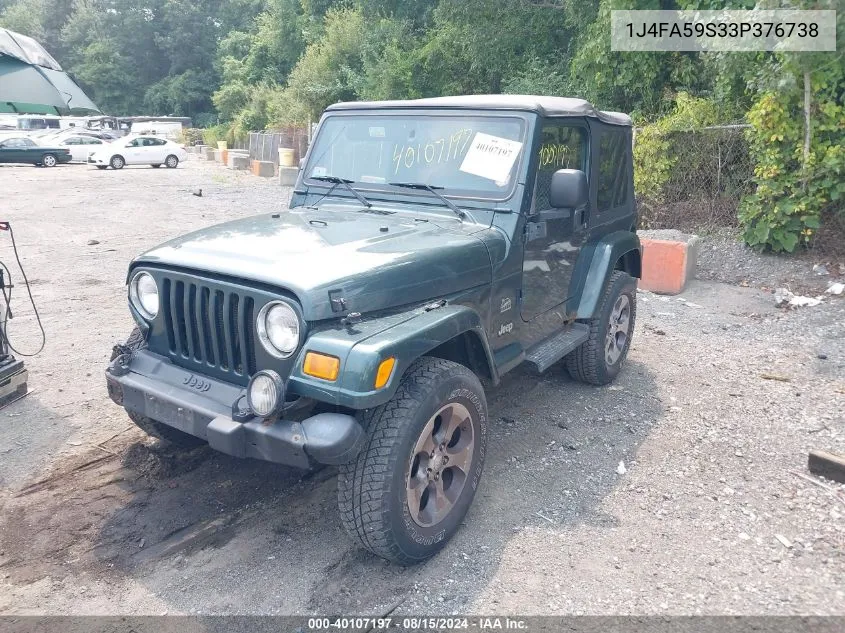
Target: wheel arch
[
  {"x": 620, "y": 250},
  {"x": 470, "y": 350}
]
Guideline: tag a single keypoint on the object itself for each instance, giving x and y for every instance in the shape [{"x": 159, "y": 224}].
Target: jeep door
[{"x": 553, "y": 237}]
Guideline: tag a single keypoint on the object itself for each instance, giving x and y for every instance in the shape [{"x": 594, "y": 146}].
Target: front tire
[
  {"x": 171, "y": 162},
  {"x": 49, "y": 160},
  {"x": 408, "y": 491},
  {"x": 101, "y": 166},
  {"x": 599, "y": 360},
  {"x": 117, "y": 162},
  {"x": 154, "y": 428},
  {"x": 156, "y": 166}
]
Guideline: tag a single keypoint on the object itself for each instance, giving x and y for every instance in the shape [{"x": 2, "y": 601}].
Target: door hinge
[{"x": 535, "y": 231}]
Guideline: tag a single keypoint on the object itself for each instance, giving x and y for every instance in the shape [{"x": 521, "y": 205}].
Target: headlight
[
  {"x": 266, "y": 393},
  {"x": 278, "y": 329},
  {"x": 143, "y": 293}
]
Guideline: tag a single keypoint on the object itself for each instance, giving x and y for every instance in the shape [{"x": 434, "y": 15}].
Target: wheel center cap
[{"x": 437, "y": 462}]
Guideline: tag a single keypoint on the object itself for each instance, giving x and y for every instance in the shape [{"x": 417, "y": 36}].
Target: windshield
[{"x": 470, "y": 156}]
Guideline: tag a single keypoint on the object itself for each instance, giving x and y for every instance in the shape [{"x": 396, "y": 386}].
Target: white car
[
  {"x": 80, "y": 146},
  {"x": 138, "y": 150}
]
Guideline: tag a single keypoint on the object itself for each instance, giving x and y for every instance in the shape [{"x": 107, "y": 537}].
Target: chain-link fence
[
  {"x": 265, "y": 145},
  {"x": 711, "y": 171}
]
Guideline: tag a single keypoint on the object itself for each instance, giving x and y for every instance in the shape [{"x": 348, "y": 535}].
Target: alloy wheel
[
  {"x": 618, "y": 330},
  {"x": 440, "y": 464}
]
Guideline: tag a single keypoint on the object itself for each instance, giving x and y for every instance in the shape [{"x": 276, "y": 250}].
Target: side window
[
  {"x": 73, "y": 140},
  {"x": 613, "y": 169},
  {"x": 562, "y": 146}
]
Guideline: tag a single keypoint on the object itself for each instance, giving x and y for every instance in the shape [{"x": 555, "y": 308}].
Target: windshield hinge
[
  {"x": 435, "y": 305},
  {"x": 337, "y": 300}
]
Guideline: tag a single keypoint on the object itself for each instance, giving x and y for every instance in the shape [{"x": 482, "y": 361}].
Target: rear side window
[
  {"x": 613, "y": 169},
  {"x": 562, "y": 146}
]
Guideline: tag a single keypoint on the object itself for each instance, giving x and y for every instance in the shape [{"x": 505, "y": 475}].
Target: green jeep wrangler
[{"x": 431, "y": 246}]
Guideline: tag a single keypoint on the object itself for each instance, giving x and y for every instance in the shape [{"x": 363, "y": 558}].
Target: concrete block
[
  {"x": 209, "y": 153},
  {"x": 238, "y": 161},
  {"x": 224, "y": 156},
  {"x": 217, "y": 154},
  {"x": 669, "y": 260},
  {"x": 200, "y": 149},
  {"x": 287, "y": 176},
  {"x": 232, "y": 153},
  {"x": 263, "y": 168}
]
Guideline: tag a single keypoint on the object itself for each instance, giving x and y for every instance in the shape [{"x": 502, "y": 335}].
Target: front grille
[{"x": 209, "y": 328}]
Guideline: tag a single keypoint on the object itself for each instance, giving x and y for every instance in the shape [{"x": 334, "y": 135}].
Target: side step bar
[{"x": 545, "y": 354}]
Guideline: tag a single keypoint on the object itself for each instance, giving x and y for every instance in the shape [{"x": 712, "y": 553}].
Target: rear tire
[
  {"x": 599, "y": 360},
  {"x": 171, "y": 162},
  {"x": 152, "y": 427},
  {"x": 401, "y": 499},
  {"x": 49, "y": 160},
  {"x": 101, "y": 166},
  {"x": 155, "y": 166},
  {"x": 117, "y": 162}
]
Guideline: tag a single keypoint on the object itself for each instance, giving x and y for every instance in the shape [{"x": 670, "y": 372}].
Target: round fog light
[{"x": 266, "y": 393}]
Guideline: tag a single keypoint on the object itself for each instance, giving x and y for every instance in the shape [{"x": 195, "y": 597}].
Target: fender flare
[
  {"x": 596, "y": 263},
  {"x": 406, "y": 342},
  {"x": 405, "y": 339}
]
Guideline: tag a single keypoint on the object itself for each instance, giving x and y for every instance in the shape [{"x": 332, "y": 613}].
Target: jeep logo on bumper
[{"x": 196, "y": 383}]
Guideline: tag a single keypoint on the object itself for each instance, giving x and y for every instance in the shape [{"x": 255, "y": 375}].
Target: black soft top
[{"x": 546, "y": 106}]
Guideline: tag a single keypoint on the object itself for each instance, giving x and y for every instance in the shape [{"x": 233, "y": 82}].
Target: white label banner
[
  {"x": 491, "y": 157},
  {"x": 726, "y": 30}
]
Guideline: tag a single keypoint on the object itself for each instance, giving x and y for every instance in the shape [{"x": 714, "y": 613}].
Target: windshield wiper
[
  {"x": 424, "y": 187},
  {"x": 346, "y": 183}
]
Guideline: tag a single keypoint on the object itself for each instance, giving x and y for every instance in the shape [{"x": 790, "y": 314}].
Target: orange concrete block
[
  {"x": 263, "y": 168},
  {"x": 669, "y": 260},
  {"x": 224, "y": 157}
]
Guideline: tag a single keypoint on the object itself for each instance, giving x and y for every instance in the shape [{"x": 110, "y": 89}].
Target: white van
[{"x": 170, "y": 130}]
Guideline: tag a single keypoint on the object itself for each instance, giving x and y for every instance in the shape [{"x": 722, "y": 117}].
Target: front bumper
[{"x": 152, "y": 386}]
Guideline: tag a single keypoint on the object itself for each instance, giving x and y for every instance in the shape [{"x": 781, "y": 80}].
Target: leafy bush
[
  {"x": 191, "y": 136},
  {"x": 653, "y": 160},
  {"x": 212, "y": 135},
  {"x": 792, "y": 196}
]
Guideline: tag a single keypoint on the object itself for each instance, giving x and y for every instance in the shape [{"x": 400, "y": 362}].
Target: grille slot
[{"x": 209, "y": 328}]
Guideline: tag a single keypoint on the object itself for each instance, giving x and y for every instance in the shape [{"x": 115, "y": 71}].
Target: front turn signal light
[
  {"x": 384, "y": 371},
  {"x": 321, "y": 366}
]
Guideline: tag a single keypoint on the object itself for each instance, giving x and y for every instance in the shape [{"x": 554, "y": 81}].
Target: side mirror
[{"x": 569, "y": 189}]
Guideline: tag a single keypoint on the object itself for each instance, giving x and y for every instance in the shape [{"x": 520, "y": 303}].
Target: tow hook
[{"x": 121, "y": 357}]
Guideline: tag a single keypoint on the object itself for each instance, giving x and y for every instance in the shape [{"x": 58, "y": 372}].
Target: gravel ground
[
  {"x": 712, "y": 418},
  {"x": 726, "y": 259}
]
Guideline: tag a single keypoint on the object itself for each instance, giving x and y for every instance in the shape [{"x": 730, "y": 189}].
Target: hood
[{"x": 376, "y": 261}]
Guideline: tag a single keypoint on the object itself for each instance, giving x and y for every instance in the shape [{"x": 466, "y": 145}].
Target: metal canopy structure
[{"x": 32, "y": 81}]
